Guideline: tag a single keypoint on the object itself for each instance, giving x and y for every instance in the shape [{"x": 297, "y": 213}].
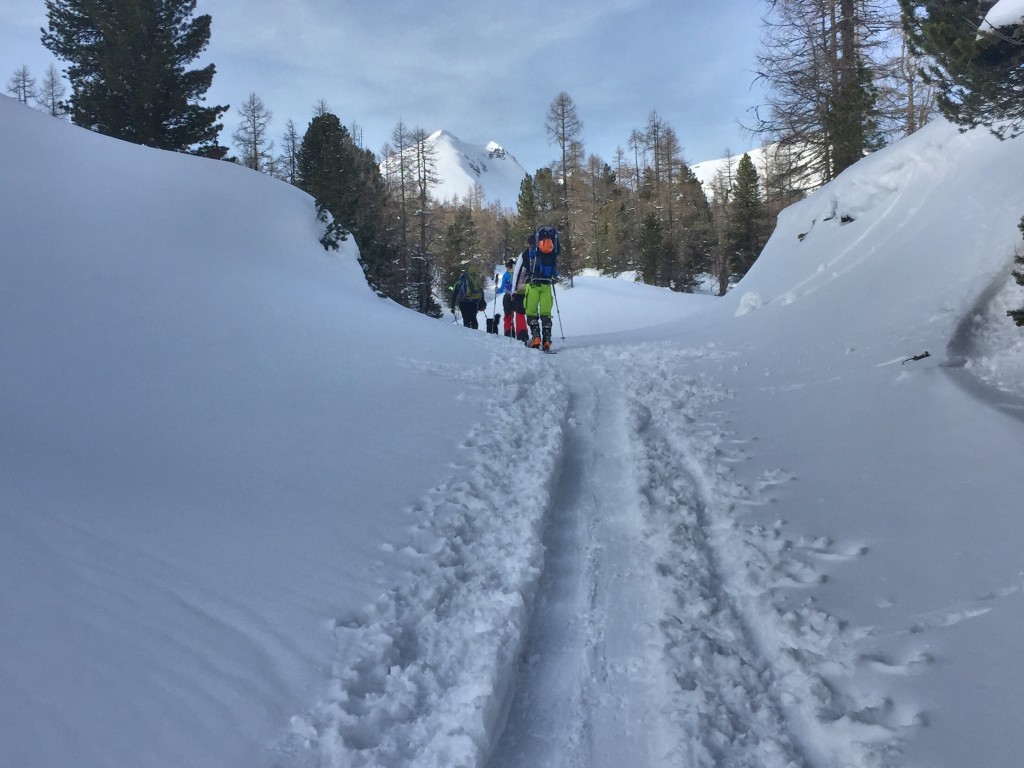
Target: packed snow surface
[{"x": 253, "y": 515}]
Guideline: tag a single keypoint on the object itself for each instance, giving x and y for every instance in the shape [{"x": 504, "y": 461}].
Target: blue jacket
[{"x": 506, "y": 283}]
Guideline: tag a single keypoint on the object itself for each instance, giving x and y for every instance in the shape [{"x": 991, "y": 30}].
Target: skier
[
  {"x": 505, "y": 291},
  {"x": 494, "y": 315},
  {"x": 520, "y": 273},
  {"x": 539, "y": 298},
  {"x": 468, "y": 294}
]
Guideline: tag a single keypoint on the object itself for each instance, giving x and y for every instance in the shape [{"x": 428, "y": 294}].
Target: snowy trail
[
  {"x": 421, "y": 675},
  {"x": 636, "y": 654},
  {"x": 597, "y": 605},
  {"x": 660, "y": 636},
  {"x": 721, "y": 697},
  {"x": 585, "y": 683}
]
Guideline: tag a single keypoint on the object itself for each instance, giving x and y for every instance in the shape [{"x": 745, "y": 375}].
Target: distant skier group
[{"x": 526, "y": 290}]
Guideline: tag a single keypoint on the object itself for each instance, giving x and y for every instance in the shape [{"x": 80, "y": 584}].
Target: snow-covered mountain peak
[{"x": 462, "y": 165}]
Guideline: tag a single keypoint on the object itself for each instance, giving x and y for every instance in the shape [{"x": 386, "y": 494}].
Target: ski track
[
  {"x": 608, "y": 609},
  {"x": 422, "y": 676}
]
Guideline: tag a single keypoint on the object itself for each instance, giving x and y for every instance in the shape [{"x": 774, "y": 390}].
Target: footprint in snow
[
  {"x": 914, "y": 663},
  {"x": 825, "y": 549}
]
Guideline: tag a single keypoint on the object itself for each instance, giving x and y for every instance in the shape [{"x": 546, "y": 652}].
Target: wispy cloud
[{"x": 481, "y": 71}]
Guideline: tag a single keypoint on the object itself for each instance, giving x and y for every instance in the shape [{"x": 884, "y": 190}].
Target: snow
[
  {"x": 253, "y": 515},
  {"x": 1005, "y": 13},
  {"x": 707, "y": 170},
  {"x": 461, "y": 166}
]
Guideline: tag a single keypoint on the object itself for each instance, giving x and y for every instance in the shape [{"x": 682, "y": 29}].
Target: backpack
[
  {"x": 469, "y": 287},
  {"x": 544, "y": 255}
]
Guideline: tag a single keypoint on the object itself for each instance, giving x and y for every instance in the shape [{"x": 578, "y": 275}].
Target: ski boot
[{"x": 545, "y": 333}]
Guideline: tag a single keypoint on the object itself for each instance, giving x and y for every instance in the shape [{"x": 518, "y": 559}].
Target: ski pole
[{"x": 558, "y": 312}]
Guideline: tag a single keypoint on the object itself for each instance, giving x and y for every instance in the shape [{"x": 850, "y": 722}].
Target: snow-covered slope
[
  {"x": 707, "y": 170},
  {"x": 460, "y": 166},
  {"x": 190, "y": 490},
  {"x": 253, "y": 516}
]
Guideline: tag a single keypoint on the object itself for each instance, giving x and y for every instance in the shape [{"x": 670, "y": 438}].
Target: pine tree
[
  {"x": 746, "y": 230},
  {"x": 979, "y": 71},
  {"x": 668, "y": 191},
  {"x": 694, "y": 234},
  {"x": 128, "y": 73},
  {"x": 346, "y": 182},
  {"x": 651, "y": 247},
  {"x": 461, "y": 245},
  {"x": 597, "y": 243},
  {"x": 321, "y": 169},
  {"x": 527, "y": 208}
]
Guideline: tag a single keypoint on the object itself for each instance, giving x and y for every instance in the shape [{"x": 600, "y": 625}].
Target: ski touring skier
[
  {"x": 468, "y": 295},
  {"x": 505, "y": 291},
  {"x": 539, "y": 281},
  {"x": 520, "y": 274},
  {"x": 501, "y": 283}
]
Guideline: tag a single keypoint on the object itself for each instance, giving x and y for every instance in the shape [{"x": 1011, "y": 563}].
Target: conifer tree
[
  {"x": 979, "y": 70},
  {"x": 651, "y": 247},
  {"x": 564, "y": 127},
  {"x": 22, "y": 85},
  {"x": 527, "y": 208},
  {"x": 251, "y": 135},
  {"x": 128, "y": 70},
  {"x": 694, "y": 234},
  {"x": 287, "y": 165},
  {"x": 598, "y": 242},
  {"x": 670, "y": 193},
  {"x": 321, "y": 163},
  {"x": 538, "y": 202},
  {"x": 52, "y": 93},
  {"x": 398, "y": 163},
  {"x": 746, "y": 230},
  {"x": 461, "y": 244},
  {"x": 421, "y": 271},
  {"x": 346, "y": 182},
  {"x": 817, "y": 63}
]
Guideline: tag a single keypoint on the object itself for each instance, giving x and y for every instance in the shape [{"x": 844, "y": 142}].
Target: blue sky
[{"x": 483, "y": 73}]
